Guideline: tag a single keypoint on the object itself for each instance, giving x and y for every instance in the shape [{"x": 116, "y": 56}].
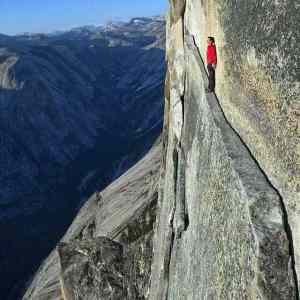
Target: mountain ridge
[{"x": 70, "y": 106}]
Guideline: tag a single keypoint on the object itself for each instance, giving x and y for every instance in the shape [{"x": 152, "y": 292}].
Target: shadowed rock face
[
  {"x": 77, "y": 109},
  {"x": 124, "y": 213},
  {"x": 92, "y": 270},
  {"x": 103, "y": 269}
]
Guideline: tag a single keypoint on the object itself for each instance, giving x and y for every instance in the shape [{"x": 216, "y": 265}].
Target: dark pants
[{"x": 211, "y": 77}]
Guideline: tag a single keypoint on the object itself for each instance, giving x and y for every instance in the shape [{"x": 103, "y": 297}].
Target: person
[{"x": 211, "y": 60}]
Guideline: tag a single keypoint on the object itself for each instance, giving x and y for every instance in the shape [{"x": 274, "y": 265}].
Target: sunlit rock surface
[
  {"x": 258, "y": 84},
  {"x": 224, "y": 231}
]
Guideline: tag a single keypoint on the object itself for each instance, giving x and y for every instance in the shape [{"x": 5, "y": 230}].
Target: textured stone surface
[
  {"x": 138, "y": 267},
  {"x": 222, "y": 230},
  {"x": 130, "y": 202},
  {"x": 100, "y": 268},
  {"x": 258, "y": 84},
  {"x": 92, "y": 270}
]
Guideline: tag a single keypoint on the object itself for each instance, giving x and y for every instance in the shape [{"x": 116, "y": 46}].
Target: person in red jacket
[{"x": 211, "y": 60}]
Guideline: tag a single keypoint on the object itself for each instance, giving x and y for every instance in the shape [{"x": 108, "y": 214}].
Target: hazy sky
[{"x": 17, "y": 16}]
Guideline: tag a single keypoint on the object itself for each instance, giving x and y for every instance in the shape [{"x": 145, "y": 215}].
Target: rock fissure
[
  {"x": 289, "y": 234},
  {"x": 287, "y": 227},
  {"x": 236, "y": 245},
  {"x": 169, "y": 264},
  {"x": 179, "y": 221},
  {"x": 179, "y": 224}
]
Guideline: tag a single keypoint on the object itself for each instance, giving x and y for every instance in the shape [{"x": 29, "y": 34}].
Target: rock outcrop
[
  {"x": 120, "y": 217},
  {"x": 226, "y": 216},
  {"x": 93, "y": 270},
  {"x": 223, "y": 229},
  {"x": 77, "y": 109}
]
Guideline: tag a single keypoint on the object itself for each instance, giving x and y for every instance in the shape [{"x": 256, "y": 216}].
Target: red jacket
[{"x": 211, "y": 54}]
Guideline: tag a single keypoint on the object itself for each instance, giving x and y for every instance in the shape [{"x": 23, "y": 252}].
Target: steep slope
[
  {"x": 77, "y": 109},
  {"x": 223, "y": 230},
  {"x": 117, "y": 212}
]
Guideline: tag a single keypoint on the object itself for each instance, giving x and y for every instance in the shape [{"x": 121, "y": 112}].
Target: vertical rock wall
[
  {"x": 258, "y": 84},
  {"x": 222, "y": 230}
]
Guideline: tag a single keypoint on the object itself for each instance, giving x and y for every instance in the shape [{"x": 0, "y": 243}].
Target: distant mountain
[{"x": 77, "y": 109}]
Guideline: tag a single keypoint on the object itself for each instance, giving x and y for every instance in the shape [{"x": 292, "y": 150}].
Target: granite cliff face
[
  {"x": 106, "y": 253},
  {"x": 227, "y": 219},
  {"x": 77, "y": 109},
  {"x": 258, "y": 85},
  {"x": 222, "y": 220},
  {"x": 224, "y": 227}
]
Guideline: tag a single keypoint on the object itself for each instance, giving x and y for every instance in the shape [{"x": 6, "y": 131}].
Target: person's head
[{"x": 211, "y": 40}]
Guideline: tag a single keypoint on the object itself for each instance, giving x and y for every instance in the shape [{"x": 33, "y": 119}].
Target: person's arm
[{"x": 214, "y": 65}]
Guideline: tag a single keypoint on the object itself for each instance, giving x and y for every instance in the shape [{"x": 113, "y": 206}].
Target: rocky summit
[
  {"x": 212, "y": 210},
  {"x": 78, "y": 108}
]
